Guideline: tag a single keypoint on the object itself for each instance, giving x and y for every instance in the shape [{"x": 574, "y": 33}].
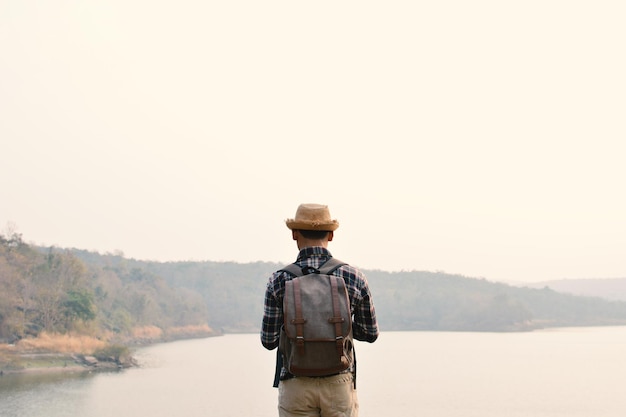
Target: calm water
[{"x": 566, "y": 372}]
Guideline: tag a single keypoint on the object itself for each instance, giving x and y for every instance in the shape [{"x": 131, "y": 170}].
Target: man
[{"x": 327, "y": 396}]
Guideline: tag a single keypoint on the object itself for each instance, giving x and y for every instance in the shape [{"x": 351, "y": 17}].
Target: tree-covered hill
[
  {"x": 232, "y": 293},
  {"x": 438, "y": 301},
  {"x": 73, "y": 290},
  {"x": 52, "y": 290},
  {"x": 609, "y": 288},
  {"x": 413, "y": 300}
]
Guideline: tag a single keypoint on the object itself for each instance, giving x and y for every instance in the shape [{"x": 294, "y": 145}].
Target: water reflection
[
  {"x": 39, "y": 394},
  {"x": 31, "y": 380},
  {"x": 565, "y": 372}
]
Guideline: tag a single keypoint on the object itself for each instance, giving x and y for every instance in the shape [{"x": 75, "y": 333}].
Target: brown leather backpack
[{"x": 316, "y": 338}]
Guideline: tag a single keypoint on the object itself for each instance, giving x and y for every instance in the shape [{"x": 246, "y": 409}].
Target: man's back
[{"x": 328, "y": 395}]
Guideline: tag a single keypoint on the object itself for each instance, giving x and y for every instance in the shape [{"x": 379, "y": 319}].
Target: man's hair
[{"x": 314, "y": 234}]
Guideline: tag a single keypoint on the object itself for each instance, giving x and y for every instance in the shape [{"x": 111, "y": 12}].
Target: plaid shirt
[{"x": 364, "y": 324}]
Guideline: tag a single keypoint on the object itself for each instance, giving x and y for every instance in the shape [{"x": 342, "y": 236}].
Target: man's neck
[{"x": 307, "y": 243}]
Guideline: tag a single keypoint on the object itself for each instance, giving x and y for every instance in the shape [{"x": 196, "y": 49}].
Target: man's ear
[
  {"x": 330, "y": 236},
  {"x": 294, "y": 234}
]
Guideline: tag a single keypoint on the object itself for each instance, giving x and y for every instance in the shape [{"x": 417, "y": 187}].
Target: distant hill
[
  {"x": 65, "y": 290},
  {"x": 610, "y": 288},
  {"x": 411, "y": 300},
  {"x": 419, "y": 300}
]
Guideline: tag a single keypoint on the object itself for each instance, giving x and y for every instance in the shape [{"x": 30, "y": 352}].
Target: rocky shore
[
  {"x": 59, "y": 362},
  {"x": 59, "y": 352}
]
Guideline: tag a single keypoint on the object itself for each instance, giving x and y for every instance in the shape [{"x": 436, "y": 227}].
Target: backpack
[{"x": 316, "y": 338}]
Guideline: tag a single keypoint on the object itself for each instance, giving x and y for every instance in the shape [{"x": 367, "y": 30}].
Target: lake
[{"x": 560, "y": 372}]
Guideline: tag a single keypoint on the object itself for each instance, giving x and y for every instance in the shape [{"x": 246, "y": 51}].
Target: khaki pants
[{"x": 332, "y": 396}]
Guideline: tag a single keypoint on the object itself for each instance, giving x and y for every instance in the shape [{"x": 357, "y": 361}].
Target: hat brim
[{"x": 299, "y": 225}]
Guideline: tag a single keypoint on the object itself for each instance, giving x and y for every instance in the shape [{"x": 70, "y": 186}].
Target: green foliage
[
  {"x": 113, "y": 353},
  {"x": 79, "y": 305},
  {"x": 55, "y": 290}
]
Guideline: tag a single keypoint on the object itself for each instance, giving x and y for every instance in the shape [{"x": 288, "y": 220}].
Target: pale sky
[{"x": 482, "y": 138}]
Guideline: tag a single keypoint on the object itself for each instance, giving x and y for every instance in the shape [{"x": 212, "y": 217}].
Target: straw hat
[{"x": 312, "y": 217}]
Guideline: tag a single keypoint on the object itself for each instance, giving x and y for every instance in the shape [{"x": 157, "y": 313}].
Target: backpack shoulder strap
[
  {"x": 331, "y": 266},
  {"x": 293, "y": 269},
  {"x": 327, "y": 268}
]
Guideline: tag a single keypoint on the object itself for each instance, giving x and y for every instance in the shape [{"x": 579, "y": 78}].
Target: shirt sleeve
[
  {"x": 365, "y": 325},
  {"x": 272, "y": 316}
]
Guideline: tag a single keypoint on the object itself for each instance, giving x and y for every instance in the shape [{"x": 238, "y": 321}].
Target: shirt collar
[{"x": 313, "y": 251}]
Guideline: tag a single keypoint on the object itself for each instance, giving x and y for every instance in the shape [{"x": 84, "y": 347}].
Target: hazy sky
[{"x": 484, "y": 138}]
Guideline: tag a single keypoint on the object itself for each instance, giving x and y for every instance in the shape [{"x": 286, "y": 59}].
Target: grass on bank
[
  {"x": 60, "y": 343},
  {"x": 54, "y": 350},
  {"x": 47, "y": 351}
]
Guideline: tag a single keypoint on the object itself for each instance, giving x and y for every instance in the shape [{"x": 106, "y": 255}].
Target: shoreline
[
  {"x": 45, "y": 370},
  {"x": 13, "y": 360},
  {"x": 30, "y": 363}
]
